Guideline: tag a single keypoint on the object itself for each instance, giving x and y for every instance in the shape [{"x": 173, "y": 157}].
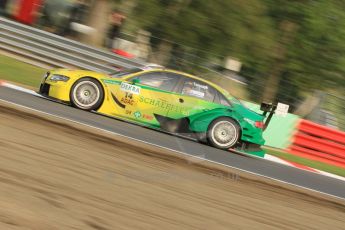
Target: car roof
[{"x": 223, "y": 91}]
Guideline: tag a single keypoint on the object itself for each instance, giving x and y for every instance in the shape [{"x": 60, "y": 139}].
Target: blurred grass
[
  {"x": 20, "y": 72},
  {"x": 310, "y": 163}
]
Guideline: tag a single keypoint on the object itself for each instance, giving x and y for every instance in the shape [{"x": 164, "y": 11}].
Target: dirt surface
[{"x": 57, "y": 175}]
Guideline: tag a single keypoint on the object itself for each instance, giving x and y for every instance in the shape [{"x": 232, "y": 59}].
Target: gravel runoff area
[{"x": 60, "y": 175}]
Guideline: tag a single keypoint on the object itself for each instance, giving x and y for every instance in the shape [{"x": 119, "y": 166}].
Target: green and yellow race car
[{"x": 172, "y": 101}]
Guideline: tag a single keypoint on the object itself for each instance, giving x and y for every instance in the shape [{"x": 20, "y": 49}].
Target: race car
[{"x": 161, "y": 98}]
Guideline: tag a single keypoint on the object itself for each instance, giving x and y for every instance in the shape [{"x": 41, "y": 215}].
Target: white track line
[
  {"x": 19, "y": 88},
  {"x": 330, "y": 175},
  {"x": 163, "y": 147},
  {"x": 277, "y": 160},
  {"x": 281, "y": 161}
]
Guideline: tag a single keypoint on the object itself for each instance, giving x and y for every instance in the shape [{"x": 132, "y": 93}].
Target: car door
[
  {"x": 193, "y": 97},
  {"x": 155, "y": 97}
]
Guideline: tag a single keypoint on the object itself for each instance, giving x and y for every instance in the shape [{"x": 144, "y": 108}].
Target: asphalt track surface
[{"x": 286, "y": 174}]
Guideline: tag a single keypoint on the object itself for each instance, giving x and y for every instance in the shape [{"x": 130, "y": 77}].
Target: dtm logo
[{"x": 130, "y": 88}]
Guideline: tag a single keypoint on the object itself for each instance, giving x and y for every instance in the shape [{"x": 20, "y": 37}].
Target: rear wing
[{"x": 267, "y": 108}]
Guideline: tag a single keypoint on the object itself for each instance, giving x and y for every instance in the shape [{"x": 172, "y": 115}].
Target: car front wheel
[
  {"x": 223, "y": 133},
  {"x": 87, "y": 94}
]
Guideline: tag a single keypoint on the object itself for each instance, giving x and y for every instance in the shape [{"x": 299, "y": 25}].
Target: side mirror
[{"x": 135, "y": 81}]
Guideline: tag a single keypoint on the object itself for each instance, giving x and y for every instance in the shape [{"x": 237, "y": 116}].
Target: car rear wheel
[
  {"x": 87, "y": 94},
  {"x": 223, "y": 133}
]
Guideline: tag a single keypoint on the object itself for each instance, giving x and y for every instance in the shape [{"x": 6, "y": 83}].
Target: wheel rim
[
  {"x": 86, "y": 94},
  {"x": 224, "y": 133}
]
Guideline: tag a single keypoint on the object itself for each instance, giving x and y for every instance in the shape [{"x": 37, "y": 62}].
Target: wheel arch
[
  {"x": 201, "y": 122},
  {"x": 228, "y": 117}
]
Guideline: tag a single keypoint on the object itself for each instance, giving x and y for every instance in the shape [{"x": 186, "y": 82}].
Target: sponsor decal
[
  {"x": 128, "y": 99},
  {"x": 205, "y": 87},
  {"x": 137, "y": 114},
  {"x": 148, "y": 117},
  {"x": 158, "y": 103},
  {"x": 196, "y": 93},
  {"x": 282, "y": 109},
  {"x": 130, "y": 88},
  {"x": 163, "y": 104},
  {"x": 128, "y": 112},
  {"x": 129, "y": 95}
]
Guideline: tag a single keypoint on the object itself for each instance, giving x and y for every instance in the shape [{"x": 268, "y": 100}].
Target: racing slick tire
[
  {"x": 223, "y": 133},
  {"x": 87, "y": 94}
]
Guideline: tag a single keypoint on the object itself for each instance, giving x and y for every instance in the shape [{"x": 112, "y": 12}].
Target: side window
[
  {"x": 195, "y": 88},
  {"x": 160, "y": 80},
  {"x": 223, "y": 100}
]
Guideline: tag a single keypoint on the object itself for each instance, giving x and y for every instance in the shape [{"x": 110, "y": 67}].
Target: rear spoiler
[{"x": 267, "y": 108}]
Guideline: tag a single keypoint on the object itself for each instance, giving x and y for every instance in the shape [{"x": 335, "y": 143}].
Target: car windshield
[{"x": 125, "y": 72}]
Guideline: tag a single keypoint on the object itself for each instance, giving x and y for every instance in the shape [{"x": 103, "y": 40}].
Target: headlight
[{"x": 56, "y": 77}]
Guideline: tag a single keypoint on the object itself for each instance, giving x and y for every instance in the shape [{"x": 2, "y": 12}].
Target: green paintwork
[
  {"x": 114, "y": 82},
  {"x": 200, "y": 113},
  {"x": 200, "y": 122},
  {"x": 280, "y": 129}
]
